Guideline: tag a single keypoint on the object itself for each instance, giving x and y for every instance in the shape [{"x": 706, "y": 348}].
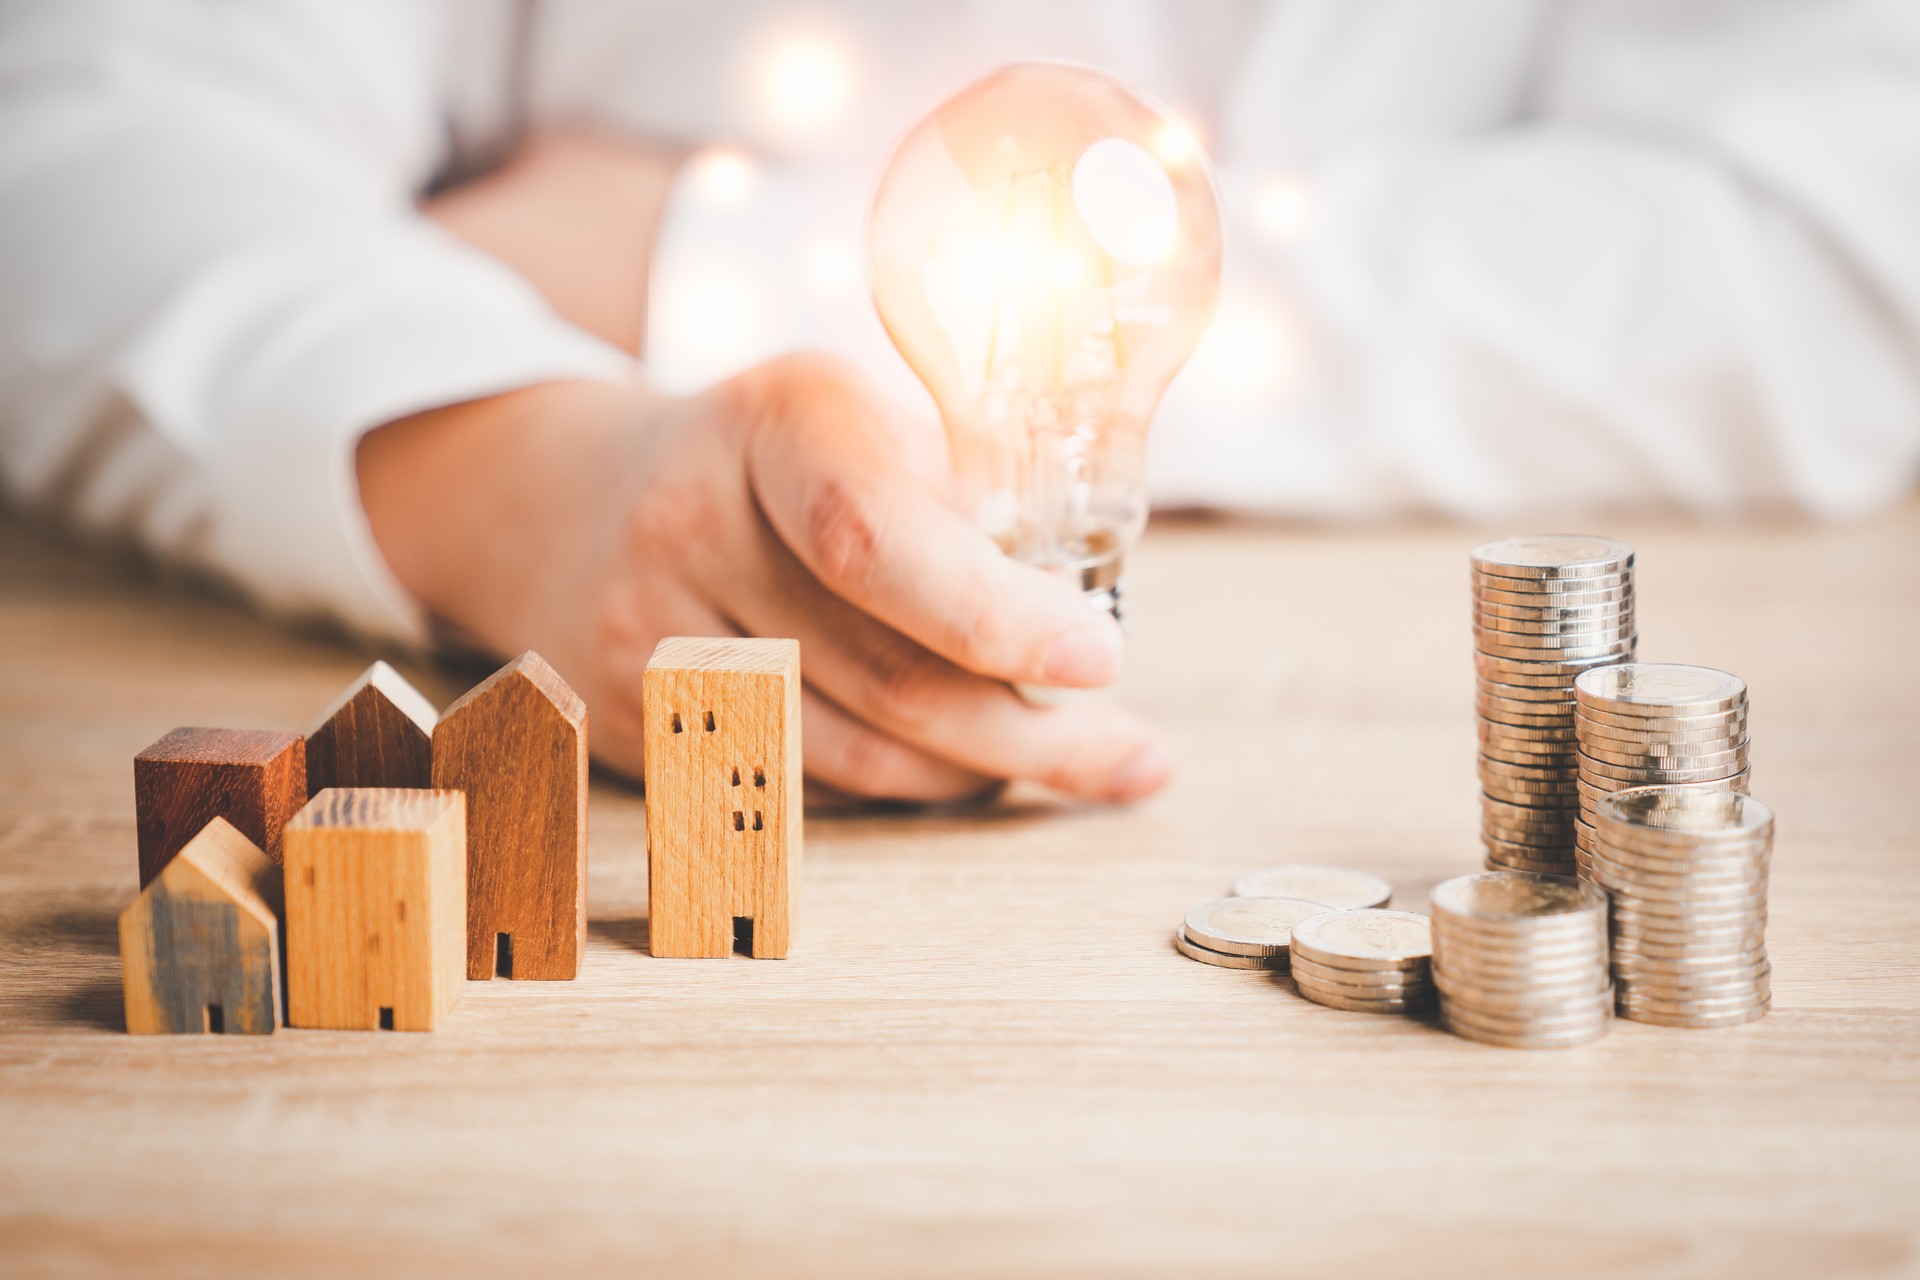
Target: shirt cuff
[{"x": 268, "y": 367}]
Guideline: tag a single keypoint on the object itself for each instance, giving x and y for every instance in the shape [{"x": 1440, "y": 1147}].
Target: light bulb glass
[{"x": 1044, "y": 250}]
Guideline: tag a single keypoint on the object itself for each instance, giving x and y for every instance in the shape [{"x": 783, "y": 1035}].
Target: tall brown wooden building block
[
  {"x": 722, "y": 745},
  {"x": 517, "y": 745},
  {"x": 377, "y": 733},
  {"x": 254, "y": 778},
  {"x": 200, "y": 946},
  {"x": 376, "y": 886}
]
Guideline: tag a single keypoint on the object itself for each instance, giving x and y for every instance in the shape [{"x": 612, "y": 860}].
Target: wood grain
[
  {"x": 376, "y": 892},
  {"x": 985, "y": 1056},
  {"x": 377, "y": 733},
  {"x": 722, "y": 749},
  {"x": 200, "y": 946},
  {"x": 516, "y": 744},
  {"x": 254, "y": 778}
]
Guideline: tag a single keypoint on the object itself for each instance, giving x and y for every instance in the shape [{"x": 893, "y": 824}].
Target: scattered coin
[
  {"x": 1194, "y": 951},
  {"x": 1333, "y": 887},
  {"x": 1248, "y": 926}
]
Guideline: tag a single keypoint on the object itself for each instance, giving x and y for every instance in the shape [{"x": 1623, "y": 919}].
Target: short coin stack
[
  {"x": 1645, "y": 724},
  {"x": 1686, "y": 869},
  {"x": 1546, "y": 608},
  {"x": 1520, "y": 960},
  {"x": 1243, "y": 933},
  {"x": 1366, "y": 960}
]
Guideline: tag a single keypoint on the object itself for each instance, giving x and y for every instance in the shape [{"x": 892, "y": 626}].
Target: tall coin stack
[
  {"x": 1520, "y": 960},
  {"x": 1686, "y": 871},
  {"x": 1656, "y": 724},
  {"x": 1546, "y": 608}
]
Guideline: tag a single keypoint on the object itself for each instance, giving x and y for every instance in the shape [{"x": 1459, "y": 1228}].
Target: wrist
[{"x": 478, "y": 507}]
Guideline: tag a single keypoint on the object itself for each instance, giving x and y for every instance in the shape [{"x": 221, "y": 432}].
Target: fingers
[
  {"x": 899, "y": 691},
  {"x": 827, "y": 471},
  {"x": 853, "y": 759}
]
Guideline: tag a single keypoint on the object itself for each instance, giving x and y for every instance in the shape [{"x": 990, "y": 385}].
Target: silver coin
[
  {"x": 1750, "y": 942},
  {"x": 1248, "y": 926},
  {"x": 1628, "y": 1003},
  {"x": 1416, "y": 988},
  {"x": 1544, "y": 717},
  {"x": 1606, "y": 753},
  {"x": 1333, "y": 887},
  {"x": 1729, "y": 732},
  {"x": 1369, "y": 938},
  {"x": 1590, "y": 767},
  {"x": 1549, "y": 609},
  {"x": 1677, "y": 727},
  {"x": 1546, "y": 1015},
  {"x": 1206, "y": 955},
  {"x": 1549, "y": 857},
  {"x": 1545, "y": 633},
  {"x": 1494, "y": 648},
  {"x": 1564, "y": 774},
  {"x": 1504, "y": 789},
  {"x": 1559, "y": 695},
  {"x": 1751, "y": 1013},
  {"x": 1553, "y": 555},
  {"x": 1524, "y": 671},
  {"x": 1661, "y": 689},
  {"x": 1489, "y": 898},
  {"x": 1335, "y": 1000},
  {"x": 1555, "y": 737},
  {"x": 1486, "y": 591}
]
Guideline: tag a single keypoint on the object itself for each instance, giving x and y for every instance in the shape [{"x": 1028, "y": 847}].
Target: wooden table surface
[{"x": 985, "y": 1055}]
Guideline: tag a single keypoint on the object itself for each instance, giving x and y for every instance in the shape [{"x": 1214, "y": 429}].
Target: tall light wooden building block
[
  {"x": 376, "y": 885},
  {"x": 253, "y": 778},
  {"x": 377, "y": 733},
  {"x": 722, "y": 744},
  {"x": 200, "y": 946},
  {"x": 517, "y": 745}
]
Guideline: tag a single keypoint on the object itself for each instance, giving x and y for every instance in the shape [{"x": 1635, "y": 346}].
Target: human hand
[{"x": 587, "y": 521}]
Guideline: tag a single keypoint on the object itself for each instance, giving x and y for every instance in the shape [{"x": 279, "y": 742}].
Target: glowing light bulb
[{"x": 1044, "y": 250}]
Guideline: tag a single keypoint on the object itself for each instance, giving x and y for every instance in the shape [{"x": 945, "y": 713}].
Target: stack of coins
[
  {"x": 1686, "y": 869},
  {"x": 1243, "y": 933},
  {"x": 1520, "y": 960},
  {"x": 1647, "y": 724},
  {"x": 1545, "y": 609},
  {"x": 1330, "y": 886},
  {"x": 1366, "y": 960}
]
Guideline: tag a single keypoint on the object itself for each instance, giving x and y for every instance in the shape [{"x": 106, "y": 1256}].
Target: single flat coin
[
  {"x": 1559, "y": 695},
  {"x": 1547, "y": 631},
  {"x": 1340, "y": 888},
  {"x": 1615, "y": 649},
  {"x": 1543, "y": 1016},
  {"x": 1610, "y": 592},
  {"x": 1542, "y": 717},
  {"x": 1659, "y": 734},
  {"x": 1661, "y": 688},
  {"x": 1549, "y": 610},
  {"x": 1558, "y": 737},
  {"x": 1248, "y": 926},
  {"x": 1365, "y": 939},
  {"x": 1523, "y": 671},
  {"x": 1205, "y": 955},
  {"x": 1553, "y": 555},
  {"x": 1565, "y": 774},
  {"x": 1667, "y": 726},
  {"x": 1704, "y": 758},
  {"x": 1655, "y": 777}
]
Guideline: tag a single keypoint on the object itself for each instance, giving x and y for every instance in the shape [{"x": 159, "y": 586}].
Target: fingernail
[
  {"x": 1143, "y": 775},
  {"x": 1086, "y": 655}
]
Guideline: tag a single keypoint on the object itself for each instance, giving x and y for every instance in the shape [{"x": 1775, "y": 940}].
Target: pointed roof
[
  {"x": 232, "y": 864},
  {"x": 395, "y": 688},
  {"x": 534, "y": 671}
]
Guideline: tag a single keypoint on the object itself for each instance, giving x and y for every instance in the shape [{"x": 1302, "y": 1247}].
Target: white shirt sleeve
[{"x": 213, "y": 282}]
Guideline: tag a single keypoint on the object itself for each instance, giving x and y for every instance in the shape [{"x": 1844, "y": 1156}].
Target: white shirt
[{"x": 1484, "y": 256}]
